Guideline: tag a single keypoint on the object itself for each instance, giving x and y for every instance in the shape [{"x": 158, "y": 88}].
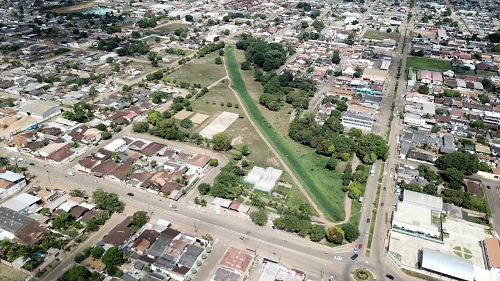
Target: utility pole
[
  {"x": 48, "y": 175},
  {"x": 196, "y": 227}
]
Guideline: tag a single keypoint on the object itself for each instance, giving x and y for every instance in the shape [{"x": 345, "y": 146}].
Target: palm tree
[
  {"x": 30, "y": 253},
  {"x": 4, "y": 162}
]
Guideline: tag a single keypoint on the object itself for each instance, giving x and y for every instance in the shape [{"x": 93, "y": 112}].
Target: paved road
[{"x": 67, "y": 259}]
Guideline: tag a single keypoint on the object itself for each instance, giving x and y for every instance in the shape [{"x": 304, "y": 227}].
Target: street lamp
[{"x": 48, "y": 175}]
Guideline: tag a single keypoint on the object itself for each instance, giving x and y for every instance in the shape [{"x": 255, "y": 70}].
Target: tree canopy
[
  {"x": 221, "y": 141},
  {"x": 114, "y": 256},
  {"x": 140, "y": 218},
  {"x": 259, "y": 217},
  {"x": 462, "y": 161},
  {"x": 107, "y": 201}
]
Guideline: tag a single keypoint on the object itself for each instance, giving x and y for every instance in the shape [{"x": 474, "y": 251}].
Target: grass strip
[
  {"x": 307, "y": 180},
  {"x": 375, "y": 209}
]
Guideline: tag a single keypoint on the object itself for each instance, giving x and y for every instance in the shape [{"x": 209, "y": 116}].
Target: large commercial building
[
  {"x": 39, "y": 108},
  {"x": 10, "y": 183},
  {"x": 419, "y": 214},
  {"x": 357, "y": 120},
  {"x": 447, "y": 265},
  {"x": 491, "y": 118}
]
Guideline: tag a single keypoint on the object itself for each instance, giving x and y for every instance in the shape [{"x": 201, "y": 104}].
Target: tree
[
  {"x": 218, "y": 60},
  {"x": 423, "y": 89},
  {"x": 140, "y": 218},
  {"x": 4, "y": 162},
  {"x": 105, "y": 135},
  {"x": 463, "y": 161},
  {"x": 221, "y": 142},
  {"x": 107, "y": 201},
  {"x": 213, "y": 162},
  {"x": 318, "y": 232},
  {"x": 245, "y": 65},
  {"x": 158, "y": 96},
  {"x": 259, "y": 217},
  {"x": 114, "y": 256},
  {"x": 140, "y": 127},
  {"x": 92, "y": 91},
  {"x": 204, "y": 188},
  {"x": 478, "y": 124},
  {"x": 97, "y": 252},
  {"x": 335, "y": 234},
  {"x": 62, "y": 221},
  {"x": 76, "y": 273},
  {"x": 77, "y": 193},
  {"x": 186, "y": 123},
  {"x": 332, "y": 163},
  {"x": 483, "y": 166},
  {"x": 435, "y": 129},
  {"x": 189, "y": 18},
  {"x": 351, "y": 232},
  {"x": 245, "y": 150},
  {"x": 453, "y": 174},
  {"x": 101, "y": 127},
  {"x": 336, "y": 57}
]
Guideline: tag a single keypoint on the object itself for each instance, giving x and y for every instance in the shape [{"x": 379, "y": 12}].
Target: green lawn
[
  {"x": 170, "y": 27},
  {"x": 322, "y": 185},
  {"x": 380, "y": 35},
  {"x": 202, "y": 71},
  {"x": 428, "y": 63}
]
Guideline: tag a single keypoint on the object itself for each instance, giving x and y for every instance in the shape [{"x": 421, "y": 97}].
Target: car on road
[
  {"x": 13, "y": 158},
  {"x": 382, "y": 204},
  {"x": 242, "y": 238},
  {"x": 71, "y": 173},
  {"x": 95, "y": 181},
  {"x": 385, "y": 188},
  {"x": 360, "y": 246},
  {"x": 488, "y": 187},
  {"x": 130, "y": 194},
  {"x": 339, "y": 258},
  {"x": 366, "y": 233},
  {"x": 355, "y": 256},
  {"x": 368, "y": 220},
  {"x": 389, "y": 276},
  {"x": 32, "y": 164}
]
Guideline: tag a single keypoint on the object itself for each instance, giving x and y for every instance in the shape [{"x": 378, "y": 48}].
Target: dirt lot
[
  {"x": 220, "y": 124},
  {"x": 73, "y": 8},
  {"x": 10, "y": 274},
  {"x": 198, "y": 118}
]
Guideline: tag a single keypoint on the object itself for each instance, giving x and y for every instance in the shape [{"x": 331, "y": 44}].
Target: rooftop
[
  {"x": 424, "y": 200},
  {"x": 237, "y": 260},
  {"x": 449, "y": 265},
  {"x": 493, "y": 251}
]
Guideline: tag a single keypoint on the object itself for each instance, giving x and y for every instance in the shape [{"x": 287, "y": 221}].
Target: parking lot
[{"x": 463, "y": 240}]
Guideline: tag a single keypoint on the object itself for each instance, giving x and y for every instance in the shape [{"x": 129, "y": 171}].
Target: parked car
[
  {"x": 32, "y": 164},
  {"x": 366, "y": 233},
  {"x": 242, "y": 238},
  {"x": 368, "y": 220},
  {"x": 389, "y": 276},
  {"x": 339, "y": 258},
  {"x": 71, "y": 173},
  {"x": 355, "y": 256},
  {"x": 360, "y": 246},
  {"x": 488, "y": 187},
  {"x": 130, "y": 194},
  {"x": 382, "y": 204}
]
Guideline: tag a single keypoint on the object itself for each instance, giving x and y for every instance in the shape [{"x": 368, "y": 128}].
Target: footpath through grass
[{"x": 318, "y": 192}]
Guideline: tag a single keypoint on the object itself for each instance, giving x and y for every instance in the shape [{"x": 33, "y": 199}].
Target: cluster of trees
[
  {"x": 227, "y": 184},
  {"x": 174, "y": 51},
  {"x": 133, "y": 48},
  {"x": 107, "y": 201},
  {"x": 210, "y": 48},
  {"x": 336, "y": 57},
  {"x": 460, "y": 160},
  {"x": 267, "y": 56},
  {"x": 80, "y": 272},
  {"x": 304, "y": 6},
  {"x": 306, "y": 36},
  {"x": 82, "y": 112},
  {"x": 147, "y": 22},
  {"x": 353, "y": 182},
  {"x": 328, "y": 139}
]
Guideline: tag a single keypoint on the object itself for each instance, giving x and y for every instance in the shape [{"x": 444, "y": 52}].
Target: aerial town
[{"x": 226, "y": 140}]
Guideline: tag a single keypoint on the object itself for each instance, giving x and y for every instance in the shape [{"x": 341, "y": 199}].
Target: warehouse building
[
  {"x": 39, "y": 108},
  {"x": 447, "y": 265}
]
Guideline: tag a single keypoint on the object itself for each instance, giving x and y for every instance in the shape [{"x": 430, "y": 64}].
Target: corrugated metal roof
[
  {"x": 21, "y": 201},
  {"x": 10, "y": 176},
  {"x": 453, "y": 266}
]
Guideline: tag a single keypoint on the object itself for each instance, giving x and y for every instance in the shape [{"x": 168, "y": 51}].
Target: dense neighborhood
[{"x": 249, "y": 140}]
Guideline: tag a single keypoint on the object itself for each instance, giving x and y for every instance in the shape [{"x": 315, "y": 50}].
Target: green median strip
[
  {"x": 317, "y": 192},
  {"x": 375, "y": 209}
]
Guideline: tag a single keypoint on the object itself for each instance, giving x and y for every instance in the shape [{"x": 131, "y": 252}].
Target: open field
[
  {"x": 216, "y": 100},
  {"x": 73, "y": 8},
  {"x": 380, "y": 35},
  {"x": 428, "y": 63},
  {"x": 170, "y": 27},
  {"x": 325, "y": 191},
  {"x": 202, "y": 71},
  {"x": 10, "y": 274}
]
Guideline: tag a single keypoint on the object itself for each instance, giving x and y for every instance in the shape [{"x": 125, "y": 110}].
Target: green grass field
[
  {"x": 428, "y": 63},
  {"x": 323, "y": 186},
  {"x": 202, "y": 71},
  {"x": 170, "y": 27},
  {"x": 380, "y": 35}
]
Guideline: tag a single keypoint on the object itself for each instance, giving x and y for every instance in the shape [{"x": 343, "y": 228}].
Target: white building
[
  {"x": 491, "y": 117},
  {"x": 357, "y": 120},
  {"x": 414, "y": 119},
  {"x": 10, "y": 183},
  {"x": 39, "y": 108}
]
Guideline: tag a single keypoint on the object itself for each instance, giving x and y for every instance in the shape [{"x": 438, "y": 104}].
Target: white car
[
  {"x": 339, "y": 258},
  {"x": 71, "y": 173},
  {"x": 366, "y": 233}
]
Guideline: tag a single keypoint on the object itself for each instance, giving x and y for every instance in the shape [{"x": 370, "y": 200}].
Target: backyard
[
  {"x": 202, "y": 71},
  {"x": 171, "y": 27},
  {"x": 323, "y": 186}
]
